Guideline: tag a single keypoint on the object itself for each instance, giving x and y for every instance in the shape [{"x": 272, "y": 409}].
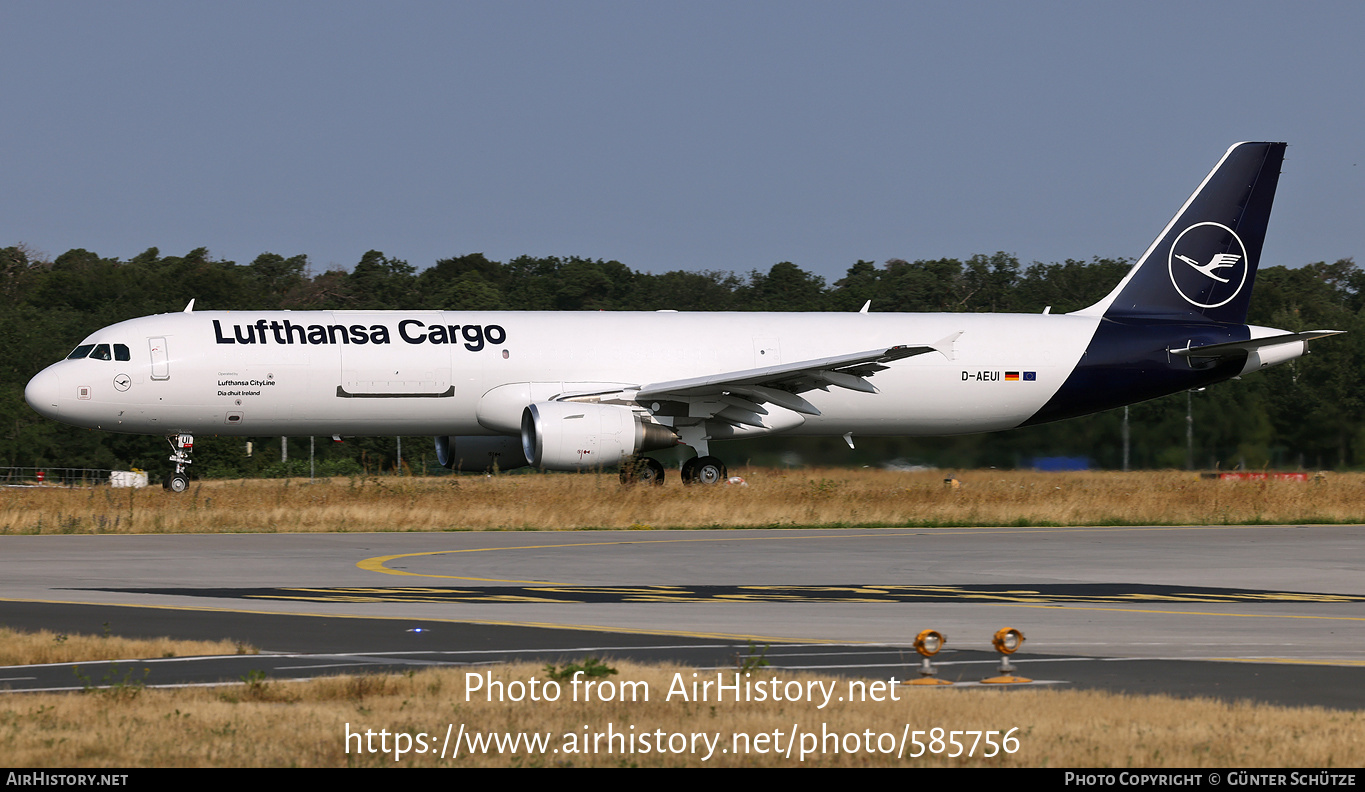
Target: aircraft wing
[
  {"x": 1234, "y": 348},
  {"x": 780, "y": 384}
]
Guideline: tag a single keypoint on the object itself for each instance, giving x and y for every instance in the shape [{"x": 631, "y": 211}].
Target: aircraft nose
[{"x": 42, "y": 391}]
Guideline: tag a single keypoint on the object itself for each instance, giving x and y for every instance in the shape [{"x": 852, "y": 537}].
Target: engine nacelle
[
  {"x": 579, "y": 435},
  {"x": 480, "y": 453}
]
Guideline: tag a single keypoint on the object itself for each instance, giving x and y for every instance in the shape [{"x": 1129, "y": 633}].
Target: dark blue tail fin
[{"x": 1202, "y": 266}]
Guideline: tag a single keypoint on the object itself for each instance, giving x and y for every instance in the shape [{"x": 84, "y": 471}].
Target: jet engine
[
  {"x": 480, "y": 453},
  {"x": 576, "y": 435}
]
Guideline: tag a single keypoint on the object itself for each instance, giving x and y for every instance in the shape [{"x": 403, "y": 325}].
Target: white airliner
[{"x": 568, "y": 391}]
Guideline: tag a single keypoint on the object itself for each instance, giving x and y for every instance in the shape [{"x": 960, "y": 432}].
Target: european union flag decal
[{"x": 1030, "y": 376}]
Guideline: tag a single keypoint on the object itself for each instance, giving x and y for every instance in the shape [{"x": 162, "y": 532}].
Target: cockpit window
[{"x": 100, "y": 352}]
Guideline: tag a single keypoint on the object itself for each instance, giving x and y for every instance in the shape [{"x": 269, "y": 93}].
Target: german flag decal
[{"x": 1011, "y": 376}]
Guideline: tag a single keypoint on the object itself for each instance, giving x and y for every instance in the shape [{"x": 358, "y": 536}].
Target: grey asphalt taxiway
[{"x": 1270, "y": 613}]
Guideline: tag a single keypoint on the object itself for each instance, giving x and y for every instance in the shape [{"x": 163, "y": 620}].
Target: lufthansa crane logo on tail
[
  {"x": 1208, "y": 265},
  {"x": 1211, "y": 269}
]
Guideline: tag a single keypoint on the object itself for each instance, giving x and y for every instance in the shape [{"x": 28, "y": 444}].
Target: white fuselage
[{"x": 401, "y": 372}]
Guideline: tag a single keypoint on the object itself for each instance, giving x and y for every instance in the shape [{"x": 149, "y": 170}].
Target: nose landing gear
[{"x": 182, "y": 446}]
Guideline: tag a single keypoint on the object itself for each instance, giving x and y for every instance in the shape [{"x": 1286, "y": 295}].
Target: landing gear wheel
[
  {"x": 705, "y": 470},
  {"x": 710, "y": 470},
  {"x": 642, "y": 470},
  {"x": 689, "y": 470},
  {"x": 182, "y": 445}
]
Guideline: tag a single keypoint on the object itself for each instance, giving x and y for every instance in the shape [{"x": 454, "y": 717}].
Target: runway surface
[{"x": 1266, "y": 612}]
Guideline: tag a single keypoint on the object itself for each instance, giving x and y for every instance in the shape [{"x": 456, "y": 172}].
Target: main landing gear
[
  {"x": 697, "y": 470},
  {"x": 704, "y": 470},
  {"x": 642, "y": 470},
  {"x": 182, "y": 445}
]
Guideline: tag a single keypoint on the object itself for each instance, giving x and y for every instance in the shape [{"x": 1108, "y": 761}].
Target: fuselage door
[{"x": 161, "y": 366}]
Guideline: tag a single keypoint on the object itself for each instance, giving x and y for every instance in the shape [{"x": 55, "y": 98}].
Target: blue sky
[{"x": 695, "y": 136}]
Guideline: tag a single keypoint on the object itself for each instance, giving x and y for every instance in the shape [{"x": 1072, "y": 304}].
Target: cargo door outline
[{"x": 372, "y": 374}]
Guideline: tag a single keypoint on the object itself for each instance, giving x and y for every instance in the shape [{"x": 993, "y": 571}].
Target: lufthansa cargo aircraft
[{"x": 569, "y": 391}]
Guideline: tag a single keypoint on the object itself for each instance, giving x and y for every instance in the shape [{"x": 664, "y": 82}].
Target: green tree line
[{"x": 1309, "y": 413}]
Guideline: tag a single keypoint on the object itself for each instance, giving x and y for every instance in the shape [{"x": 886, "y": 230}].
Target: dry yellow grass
[
  {"x": 771, "y": 498},
  {"x": 269, "y": 724},
  {"x": 32, "y": 648}
]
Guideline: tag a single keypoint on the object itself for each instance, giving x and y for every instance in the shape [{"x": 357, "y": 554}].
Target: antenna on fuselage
[{"x": 190, "y": 308}]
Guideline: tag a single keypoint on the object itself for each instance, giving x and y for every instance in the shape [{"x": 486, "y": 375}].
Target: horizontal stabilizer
[{"x": 1241, "y": 347}]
